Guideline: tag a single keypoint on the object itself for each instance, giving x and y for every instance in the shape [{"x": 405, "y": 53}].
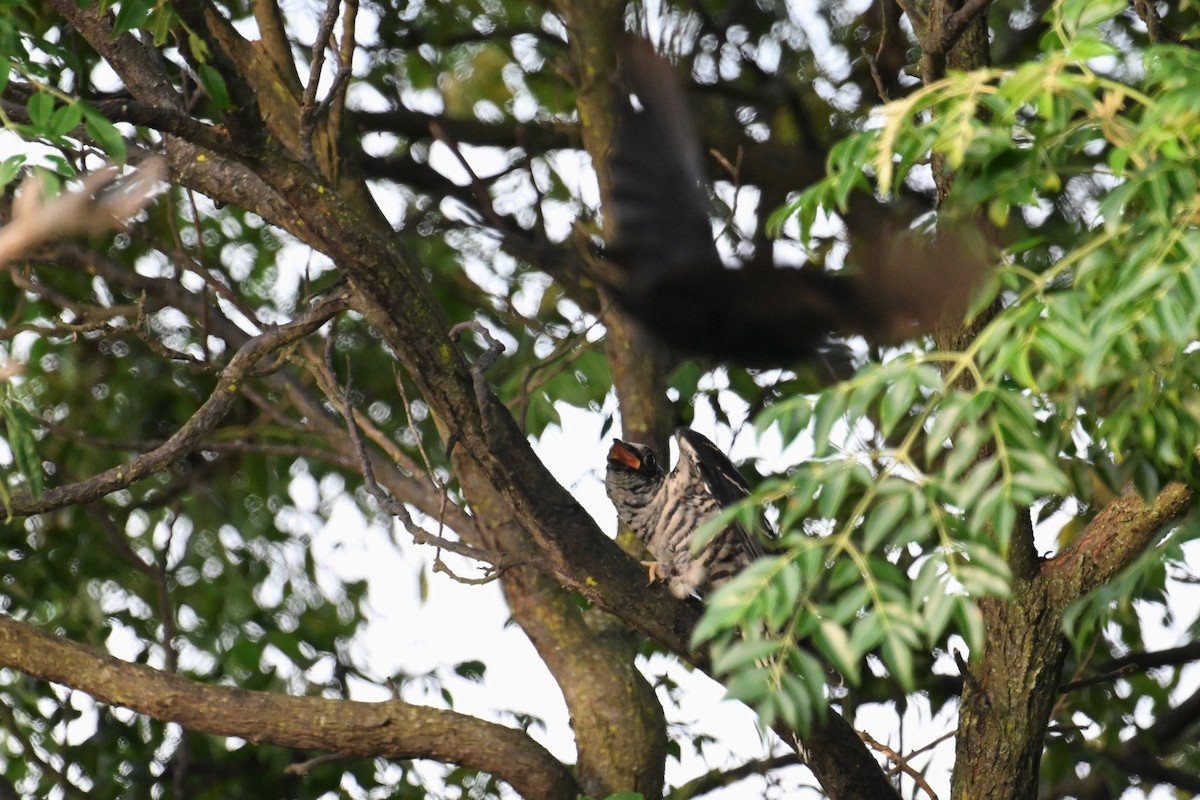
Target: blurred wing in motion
[{"x": 672, "y": 279}]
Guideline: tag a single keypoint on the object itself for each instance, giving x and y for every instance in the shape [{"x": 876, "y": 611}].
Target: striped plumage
[{"x": 665, "y": 509}]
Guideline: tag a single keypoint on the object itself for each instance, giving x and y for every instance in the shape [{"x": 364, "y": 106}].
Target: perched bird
[
  {"x": 664, "y": 510},
  {"x": 671, "y": 278}
]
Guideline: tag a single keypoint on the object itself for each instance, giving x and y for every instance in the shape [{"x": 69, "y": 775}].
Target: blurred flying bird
[{"x": 671, "y": 279}]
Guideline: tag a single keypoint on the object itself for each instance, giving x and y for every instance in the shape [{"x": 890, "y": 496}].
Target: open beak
[{"x": 621, "y": 454}]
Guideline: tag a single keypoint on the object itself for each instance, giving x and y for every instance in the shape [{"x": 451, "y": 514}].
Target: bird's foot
[{"x": 655, "y": 571}]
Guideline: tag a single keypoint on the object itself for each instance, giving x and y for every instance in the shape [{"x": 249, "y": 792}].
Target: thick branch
[
  {"x": 394, "y": 296},
  {"x": 393, "y": 468},
  {"x": 954, "y": 26},
  {"x": 834, "y": 752},
  {"x": 620, "y": 732},
  {"x": 392, "y": 729},
  {"x": 1112, "y": 540},
  {"x": 1152, "y": 659}
]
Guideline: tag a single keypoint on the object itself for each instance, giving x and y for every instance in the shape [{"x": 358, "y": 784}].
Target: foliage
[
  {"x": 1083, "y": 381},
  {"x": 1078, "y": 154}
]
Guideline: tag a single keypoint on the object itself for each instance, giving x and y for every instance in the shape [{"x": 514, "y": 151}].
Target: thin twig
[
  {"x": 196, "y": 264},
  {"x": 31, "y": 754},
  {"x": 438, "y": 483},
  {"x": 720, "y": 778},
  {"x": 950, "y": 734},
  {"x": 1148, "y": 11},
  {"x": 495, "y": 348},
  {"x": 901, "y": 762},
  {"x": 964, "y": 670},
  {"x": 498, "y": 561},
  {"x": 304, "y": 767},
  {"x": 876, "y": 76},
  {"x": 345, "y": 53},
  {"x": 308, "y": 102},
  {"x": 735, "y": 174},
  {"x": 191, "y": 434},
  {"x": 873, "y": 60},
  {"x": 412, "y": 429},
  {"x": 198, "y": 224},
  {"x": 478, "y": 189},
  {"x": 322, "y": 370}
]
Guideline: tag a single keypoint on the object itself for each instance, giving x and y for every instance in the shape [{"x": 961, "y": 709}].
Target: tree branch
[
  {"x": 192, "y": 432},
  {"x": 720, "y": 778},
  {"x": 392, "y": 729},
  {"x": 1140, "y": 755},
  {"x": 1152, "y": 659},
  {"x": 943, "y": 40},
  {"x": 141, "y": 68},
  {"x": 1112, "y": 540},
  {"x": 393, "y": 294}
]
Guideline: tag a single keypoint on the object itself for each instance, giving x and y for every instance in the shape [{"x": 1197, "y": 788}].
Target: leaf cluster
[{"x": 1082, "y": 379}]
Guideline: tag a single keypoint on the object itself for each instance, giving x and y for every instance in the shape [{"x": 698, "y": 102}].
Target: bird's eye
[{"x": 649, "y": 461}]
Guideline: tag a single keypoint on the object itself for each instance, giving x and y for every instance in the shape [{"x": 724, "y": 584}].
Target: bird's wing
[
  {"x": 723, "y": 480},
  {"x": 660, "y": 209},
  {"x": 672, "y": 279}
]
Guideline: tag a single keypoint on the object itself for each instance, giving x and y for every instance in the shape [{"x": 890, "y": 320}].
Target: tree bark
[
  {"x": 393, "y": 729},
  {"x": 620, "y": 731}
]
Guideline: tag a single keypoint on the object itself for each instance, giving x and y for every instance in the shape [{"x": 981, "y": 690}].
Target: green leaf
[
  {"x": 982, "y": 582},
  {"x": 104, "y": 132},
  {"x": 978, "y": 479},
  {"x": 882, "y": 520},
  {"x": 964, "y": 453},
  {"x": 471, "y": 670},
  {"x": 937, "y": 608},
  {"x": 65, "y": 119},
  {"x": 214, "y": 84},
  {"x": 1078, "y": 14},
  {"x": 745, "y": 653},
  {"x": 970, "y": 624},
  {"x": 899, "y": 661},
  {"x": 945, "y": 421},
  {"x": 833, "y": 491},
  {"x": 40, "y": 106},
  {"x": 749, "y": 686},
  {"x": 826, "y": 413},
  {"x": 717, "y": 619},
  {"x": 787, "y": 584},
  {"x": 835, "y": 644},
  {"x": 896, "y": 403},
  {"x": 132, "y": 14},
  {"x": 9, "y": 168},
  {"x": 849, "y": 603},
  {"x": 867, "y": 632},
  {"x": 20, "y": 426},
  {"x": 800, "y": 695}
]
